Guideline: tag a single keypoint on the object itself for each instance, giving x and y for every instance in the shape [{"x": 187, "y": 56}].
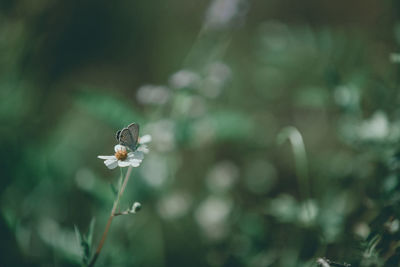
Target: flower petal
[
  {"x": 111, "y": 163},
  {"x": 138, "y": 155},
  {"x": 106, "y": 157},
  {"x": 143, "y": 148},
  {"x": 123, "y": 163},
  {"x": 119, "y": 147},
  {"x": 135, "y": 162},
  {"x": 145, "y": 139}
]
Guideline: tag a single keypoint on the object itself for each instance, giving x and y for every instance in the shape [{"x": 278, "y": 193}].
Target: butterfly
[{"x": 129, "y": 136}]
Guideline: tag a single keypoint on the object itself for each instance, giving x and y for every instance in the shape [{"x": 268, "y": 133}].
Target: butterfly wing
[
  {"x": 134, "y": 130},
  {"x": 117, "y": 135},
  {"x": 125, "y": 138},
  {"x": 129, "y": 136}
]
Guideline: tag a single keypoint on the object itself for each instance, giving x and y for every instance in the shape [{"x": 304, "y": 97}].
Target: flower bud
[{"x": 136, "y": 207}]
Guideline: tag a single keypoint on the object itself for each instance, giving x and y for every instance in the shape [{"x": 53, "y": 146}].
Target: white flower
[
  {"x": 142, "y": 143},
  {"x": 123, "y": 158}
]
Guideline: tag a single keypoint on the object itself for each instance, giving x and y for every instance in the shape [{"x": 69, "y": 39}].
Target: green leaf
[
  {"x": 84, "y": 246},
  {"x": 79, "y": 237},
  {"x": 90, "y": 234},
  {"x": 85, "y": 242}
]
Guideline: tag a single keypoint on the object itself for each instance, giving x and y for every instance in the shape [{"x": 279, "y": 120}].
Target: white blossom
[{"x": 123, "y": 158}]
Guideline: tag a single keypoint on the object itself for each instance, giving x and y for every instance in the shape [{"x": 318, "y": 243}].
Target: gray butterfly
[{"x": 129, "y": 136}]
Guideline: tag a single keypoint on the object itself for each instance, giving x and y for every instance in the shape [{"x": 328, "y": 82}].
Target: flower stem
[{"x": 116, "y": 202}]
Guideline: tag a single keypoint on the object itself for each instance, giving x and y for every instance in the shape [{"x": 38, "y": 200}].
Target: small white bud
[{"x": 135, "y": 207}]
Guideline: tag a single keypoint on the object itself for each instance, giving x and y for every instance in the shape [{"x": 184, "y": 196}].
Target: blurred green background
[{"x": 215, "y": 83}]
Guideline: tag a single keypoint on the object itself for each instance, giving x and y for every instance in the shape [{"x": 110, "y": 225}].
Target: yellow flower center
[{"x": 121, "y": 154}]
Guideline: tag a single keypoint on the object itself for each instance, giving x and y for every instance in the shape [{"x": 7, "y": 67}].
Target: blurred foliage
[{"x": 214, "y": 82}]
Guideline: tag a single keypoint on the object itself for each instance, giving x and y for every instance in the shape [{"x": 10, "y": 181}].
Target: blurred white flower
[
  {"x": 163, "y": 133},
  {"x": 143, "y": 141},
  {"x": 222, "y": 13},
  {"x": 308, "y": 211},
  {"x": 347, "y": 96},
  {"x": 222, "y": 177},
  {"x": 394, "y": 57},
  {"x": 284, "y": 208},
  {"x": 212, "y": 216},
  {"x": 217, "y": 75},
  {"x": 174, "y": 206},
  {"x": 155, "y": 170},
  {"x": 362, "y": 230},
  {"x": 376, "y": 128},
  {"x": 153, "y": 94},
  {"x": 184, "y": 79},
  {"x": 190, "y": 106},
  {"x": 123, "y": 158}
]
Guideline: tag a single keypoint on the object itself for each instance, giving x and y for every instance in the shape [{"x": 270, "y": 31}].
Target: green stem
[{"x": 121, "y": 190}]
